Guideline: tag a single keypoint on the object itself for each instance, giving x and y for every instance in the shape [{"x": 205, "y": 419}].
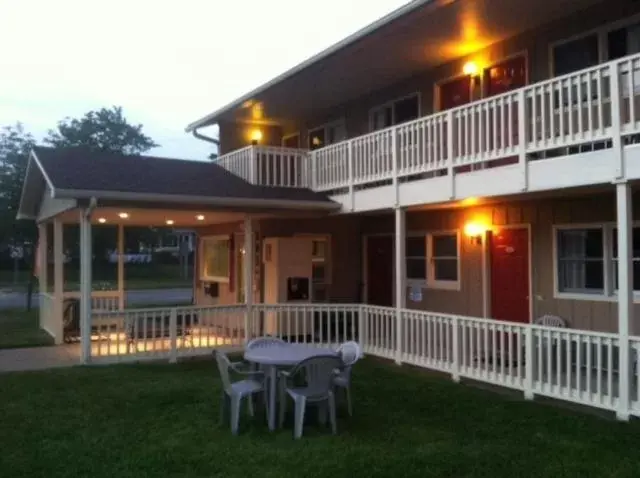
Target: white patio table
[{"x": 284, "y": 355}]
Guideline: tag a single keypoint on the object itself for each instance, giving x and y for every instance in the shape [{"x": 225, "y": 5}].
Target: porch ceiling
[
  {"x": 179, "y": 218},
  {"x": 427, "y": 34}
]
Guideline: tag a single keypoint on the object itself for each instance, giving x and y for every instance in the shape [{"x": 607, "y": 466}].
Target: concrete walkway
[{"x": 39, "y": 358}]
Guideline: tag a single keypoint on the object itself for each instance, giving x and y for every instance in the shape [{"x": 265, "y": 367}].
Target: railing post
[
  {"x": 352, "y": 198},
  {"x": 394, "y": 165},
  {"x": 455, "y": 349},
  {"x": 313, "y": 166},
  {"x": 249, "y": 249},
  {"x": 528, "y": 362},
  {"x": 253, "y": 165},
  {"x": 361, "y": 326},
  {"x": 522, "y": 139},
  {"x": 43, "y": 261},
  {"x": 625, "y": 294},
  {"x": 450, "y": 156},
  {"x": 616, "y": 129},
  {"x": 58, "y": 280},
  {"x": 400, "y": 239},
  {"x": 173, "y": 335}
]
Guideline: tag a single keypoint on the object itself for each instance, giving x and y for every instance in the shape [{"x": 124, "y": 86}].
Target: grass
[
  {"x": 19, "y": 328},
  {"x": 162, "y": 420},
  {"x": 137, "y": 277}
]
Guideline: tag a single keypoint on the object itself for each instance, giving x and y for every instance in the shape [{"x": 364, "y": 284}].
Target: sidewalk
[{"x": 39, "y": 358}]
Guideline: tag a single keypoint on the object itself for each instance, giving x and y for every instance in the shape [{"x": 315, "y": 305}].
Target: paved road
[{"x": 10, "y": 300}]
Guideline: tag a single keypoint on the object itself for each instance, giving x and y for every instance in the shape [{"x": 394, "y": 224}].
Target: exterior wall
[
  {"x": 238, "y": 135},
  {"x": 345, "y": 254},
  {"x": 536, "y": 44},
  {"x": 541, "y": 215}
]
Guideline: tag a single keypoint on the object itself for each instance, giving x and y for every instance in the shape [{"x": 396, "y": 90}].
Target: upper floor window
[
  {"x": 327, "y": 134},
  {"x": 623, "y": 41},
  {"x": 395, "y": 112},
  {"x": 574, "y": 55}
]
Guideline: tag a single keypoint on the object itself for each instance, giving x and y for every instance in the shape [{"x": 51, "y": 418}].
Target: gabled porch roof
[{"x": 59, "y": 180}]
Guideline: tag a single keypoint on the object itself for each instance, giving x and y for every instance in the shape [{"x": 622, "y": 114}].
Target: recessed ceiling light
[
  {"x": 123, "y": 215},
  {"x": 102, "y": 220},
  {"x": 169, "y": 222},
  {"x": 200, "y": 217}
]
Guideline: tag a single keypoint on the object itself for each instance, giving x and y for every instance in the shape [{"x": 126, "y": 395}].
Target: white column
[
  {"x": 85, "y": 286},
  {"x": 43, "y": 246},
  {"x": 58, "y": 279},
  {"x": 400, "y": 273},
  {"x": 625, "y": 292},
  {"x": 249, "y": 249},
  {"x": 121, "y": 266}
]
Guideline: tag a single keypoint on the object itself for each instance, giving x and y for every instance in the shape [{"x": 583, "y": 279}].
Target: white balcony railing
[
  {"x": 573, "y": 365},
  {"x": 596, "y": 105},
  {"x": 269, "y": 166}
]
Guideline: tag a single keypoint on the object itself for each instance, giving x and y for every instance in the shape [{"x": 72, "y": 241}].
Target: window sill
[
  {"x": 593, "y": 297},
  {"x": 220, "y": 280},
  {"x": 436, "y": 285}
]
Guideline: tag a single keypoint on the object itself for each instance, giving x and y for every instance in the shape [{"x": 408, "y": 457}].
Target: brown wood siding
[
  {"x": 541, "y": 215},
  {"x": 535, "y": 43}
]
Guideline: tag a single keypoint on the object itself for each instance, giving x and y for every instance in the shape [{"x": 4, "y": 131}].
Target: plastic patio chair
[
  {"x": 317, "y": 373},
  {"x": 350, "y": 352},
  {"x": 263, "y": 342},
  {"x": 551, "y": 321},
  {"x": 234, "y": 392}
]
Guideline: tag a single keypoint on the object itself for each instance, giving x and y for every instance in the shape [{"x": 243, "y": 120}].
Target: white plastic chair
[
  {"x": 263, "y": 342},
  {"x": 350, "y": 353},
  {"x": 551, "y": 321}
]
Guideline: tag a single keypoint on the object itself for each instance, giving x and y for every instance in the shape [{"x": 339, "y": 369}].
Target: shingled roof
[{"x": 77, "y": 173}]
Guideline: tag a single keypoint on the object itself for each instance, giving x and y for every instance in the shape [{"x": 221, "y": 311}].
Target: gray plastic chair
[
  {"x": 263, "y": 342},
  {"x": 350, "y": 353},
  {"x": 234, "y": 392},
  {"x": 317, "y": 373}
]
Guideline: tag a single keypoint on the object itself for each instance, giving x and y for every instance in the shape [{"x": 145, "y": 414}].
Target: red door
[
  {"x": 509, "y": 250},
  {"x": 500, "y": 78},
  {"x": 380, "y": 270}
]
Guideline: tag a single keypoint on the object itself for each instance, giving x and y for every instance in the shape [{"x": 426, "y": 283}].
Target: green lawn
[
  {"x": 162, "y": 420},
  {"x": 19, "y": 328}
]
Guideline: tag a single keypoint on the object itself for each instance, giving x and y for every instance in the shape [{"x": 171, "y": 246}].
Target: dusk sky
[{"x": 166, "y": 63}]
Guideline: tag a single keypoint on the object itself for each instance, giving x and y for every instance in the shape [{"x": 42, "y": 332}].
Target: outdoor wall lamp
[
  {"x": 475, "y": 231},
  {"x": 256, "y": 137},
  {"x": 471, "y": 69}
]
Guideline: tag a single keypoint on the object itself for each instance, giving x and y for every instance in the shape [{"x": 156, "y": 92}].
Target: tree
[
  {"x": 102, "y": 130},
  {"x": 15, "y": 144}
]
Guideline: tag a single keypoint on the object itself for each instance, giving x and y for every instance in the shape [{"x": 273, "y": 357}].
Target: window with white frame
[
  {"x": 416, "y": 258},
  {"x": 434, "y": 259},
  {"x": 444, "y": 251},
  {"x": 581, "y": 260},
  {"x": 395, "y": 112},
  {"x": 215, "y": 258},
  {"x": 587, "y": 259},
  {"x": 327, "y": 134}
]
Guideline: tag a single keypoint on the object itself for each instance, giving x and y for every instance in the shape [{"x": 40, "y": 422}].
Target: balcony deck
[{"x": 575, "y": 130}]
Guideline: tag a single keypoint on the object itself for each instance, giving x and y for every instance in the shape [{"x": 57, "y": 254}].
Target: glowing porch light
[
  {"x": 169, "y": 222},
  {"x": 200, "y": 217},
  {"x": 102, "y": 220},
  {"x": 123, "y": 215},
  {"x": 470, "y": 68}
]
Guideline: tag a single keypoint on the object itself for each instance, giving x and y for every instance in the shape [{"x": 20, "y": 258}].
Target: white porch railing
[
  {"x": 572, "y": 365},
  {"x": 101, "y": 300},
  {"x": 46, "y": 311},
  {"x": 269, "y": 166}
]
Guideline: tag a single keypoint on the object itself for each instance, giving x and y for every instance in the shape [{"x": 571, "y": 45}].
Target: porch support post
[
  {"x": 85, "y": 284},
  {"x": 121, "y": 266},
  {"x": 625, "y": 293},
  {"x": 400, "y": 241},
  {"x": 58, "y": 279},
  {"x": 249, "y": 249},
  {"x": 43, "y": 267}
]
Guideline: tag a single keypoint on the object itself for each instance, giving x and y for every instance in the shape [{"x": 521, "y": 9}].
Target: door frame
[
  {"x": 486, "y": 269},
  {"x": 520, "y": 54},
  {"x": 365, "y": 267}
]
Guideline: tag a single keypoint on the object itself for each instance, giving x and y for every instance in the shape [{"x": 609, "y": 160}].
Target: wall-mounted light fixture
[
  {"x": 471, "y": 69},
  {"x": 256, "y": 137},
  {"x": 474, "y": 231}
]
